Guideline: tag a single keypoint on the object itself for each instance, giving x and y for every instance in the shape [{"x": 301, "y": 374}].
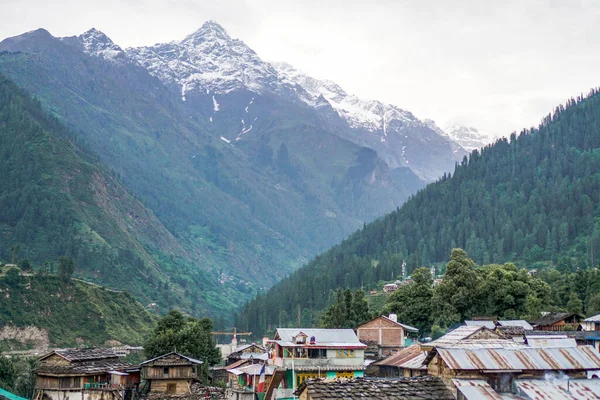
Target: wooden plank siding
[
  {"x": 185, "y": 372},
  {"x": 180, "y": 386}
]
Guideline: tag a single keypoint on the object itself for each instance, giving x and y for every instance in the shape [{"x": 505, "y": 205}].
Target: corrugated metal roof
[
  {"x": 322, "y": 336},
  {"x": 524, "y": 358},
  {"x": 487, "y": 324},
  {"x": 483, "y": 344},
  {"x": 404, "y": 355},
  {"x": 476, "y": 389},
  {"x": 551, "y": 341},
  {"x": 516, "y": 322},
  {"x": 559, "y": 389},
  {"x": 461, "y": 333},
  {"x": 595, "y": 318}
]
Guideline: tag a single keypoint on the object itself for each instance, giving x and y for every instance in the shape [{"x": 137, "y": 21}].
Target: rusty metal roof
[
  {"x": 476, "y": 389},
  {"x": 461, "y": 333},
  {"x": 559, "y": 389},
  {"x": 510, "y": 359},
  {"x": 403, "y": 356}
]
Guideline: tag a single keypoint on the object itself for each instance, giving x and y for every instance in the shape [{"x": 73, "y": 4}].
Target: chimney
[
  {"x": 265, "y": 340},
  {"x": 393, "y": 317}
]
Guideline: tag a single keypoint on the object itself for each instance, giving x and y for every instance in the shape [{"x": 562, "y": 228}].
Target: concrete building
[{"x": 304, "y": 353}]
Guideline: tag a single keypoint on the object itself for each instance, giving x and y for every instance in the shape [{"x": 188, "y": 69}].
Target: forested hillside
[
  {"x": 57, "y": 200},
  {"x": 532, "y": 199}
]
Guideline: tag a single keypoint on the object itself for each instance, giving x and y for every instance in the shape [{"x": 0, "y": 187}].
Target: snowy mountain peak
[
  {"x": 468, "y": 137},
  {"x": 207, "y": 60},
  {"x": 95, "y": 43},
  {"x": 209, "y": 31}
]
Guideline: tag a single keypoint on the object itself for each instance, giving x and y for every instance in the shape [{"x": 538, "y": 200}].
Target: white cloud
[{"x": 499, "y": 66}]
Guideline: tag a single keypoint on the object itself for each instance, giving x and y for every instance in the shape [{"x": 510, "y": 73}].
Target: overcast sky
[{"x": 496, "y": 65}]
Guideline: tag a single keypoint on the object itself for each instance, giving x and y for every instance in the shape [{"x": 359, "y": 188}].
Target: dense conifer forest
[{"x": 531, "y": 199}]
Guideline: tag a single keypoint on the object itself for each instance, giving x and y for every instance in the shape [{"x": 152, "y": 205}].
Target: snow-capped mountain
[
  {"x": 207, "y": 60},
  {"x": 468, "y": 137},
  {"x": 96, "y": 43},
  {"x": 211, "y": 63},
  {"x": 399, "y": 137}
]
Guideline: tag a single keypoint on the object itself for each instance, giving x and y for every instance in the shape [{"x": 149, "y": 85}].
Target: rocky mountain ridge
[{"x": 212, "y": 63}]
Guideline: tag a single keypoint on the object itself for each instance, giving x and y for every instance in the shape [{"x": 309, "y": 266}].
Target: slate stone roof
[
  {"x": 510, "y": 331},
  {"x": 86, "y": 368},
  {"x": 171, "y": 359},
  {"x": 92, "y": 353},
  {"x": 577, "y": 335},
  {"x": 417, "y": 388}
]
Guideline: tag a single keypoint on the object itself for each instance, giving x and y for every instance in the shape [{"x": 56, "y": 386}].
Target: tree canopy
[{"x": 185, "y": 335}]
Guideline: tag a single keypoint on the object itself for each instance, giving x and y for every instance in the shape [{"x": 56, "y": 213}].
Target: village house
[
  {"x": 171, "y": 373},
  {"x": 303, "y": 354},
  {"x": 423, "y": 388},
  {"x": 390, "y": 287},
  {"x": 558, "y": 321},
  {"x": 407, "y": 363},
  {"x": 87, "y": 374},
  {"x": 244, "y": 382},
  {"x": 252, "y": 352},
  {"x": 385, "y": 335},
  {"x": 591, "y": 326},
  {"x": 500, "y": 367}
]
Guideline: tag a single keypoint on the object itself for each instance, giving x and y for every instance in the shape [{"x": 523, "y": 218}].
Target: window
[
  {"x": 345, "y": 374},
  {"x": 307, "y": 375},
  {"x": 171, "y": 387},
  {"x": 345, "y": 353},
  {"x": 166, "y": 371}
]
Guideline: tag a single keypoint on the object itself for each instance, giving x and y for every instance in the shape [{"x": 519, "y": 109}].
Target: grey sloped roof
[
  {"x": 322, "y": 336},
  {"x": 417, "y": 388},
  {"x": 487, "y": 324},
  {"x": 85, "y": 368},
  {"x": 92, "y": 353},
  {"x": 516, "y": 322},
  {"x": 524, "y": 358},
  {"x": 172, "y": 359},
  {"x": 594, "y": 318}
]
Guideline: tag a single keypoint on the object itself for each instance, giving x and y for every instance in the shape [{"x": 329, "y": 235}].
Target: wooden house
[
  {"x": 385, "y": 335},
  {"x": 89, "y": 374},
  {"x": 558, "y": 321},
  {"x": 251, "y": 352},
  {"x": 171, "y": 373}
]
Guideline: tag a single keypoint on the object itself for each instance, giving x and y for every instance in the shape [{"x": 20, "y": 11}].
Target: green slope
[
  {"x": 533, "y": 199},
  {"x": 57, "y": 200},
  {"x": 74, "y": 313}
]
